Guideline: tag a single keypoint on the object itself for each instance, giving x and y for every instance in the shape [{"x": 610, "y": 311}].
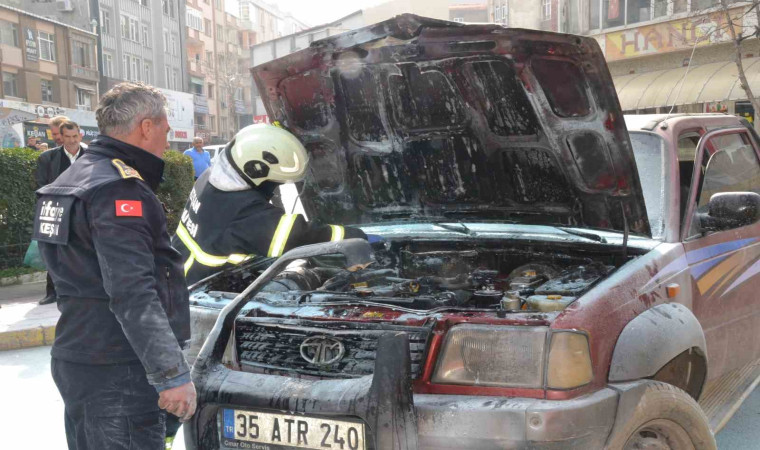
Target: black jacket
[
  {"x": 219, "y": 229},
  {"x": 122, "y": 295},
  {"x": 51, "y": 164}
]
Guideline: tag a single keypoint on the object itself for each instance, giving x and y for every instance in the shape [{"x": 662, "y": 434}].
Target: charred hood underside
[{"x": 419, "y": 118}]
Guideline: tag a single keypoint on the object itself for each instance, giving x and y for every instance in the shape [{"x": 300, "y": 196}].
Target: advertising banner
[{"x": 181, "y": 115}]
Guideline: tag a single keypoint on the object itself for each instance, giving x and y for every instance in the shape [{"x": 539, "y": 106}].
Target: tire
[{"x": 664, "y": 418}]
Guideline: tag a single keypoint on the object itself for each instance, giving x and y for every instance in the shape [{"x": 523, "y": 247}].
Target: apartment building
[
  {"x": 266, "y": 22},
  {"x": 515, "y": 14},
  {"x": 47, "y": 63}
]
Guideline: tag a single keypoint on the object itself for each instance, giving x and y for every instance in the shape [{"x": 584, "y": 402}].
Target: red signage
[
  {"x": 180, "y": 134},
  {"x": 261, "y": 119}
]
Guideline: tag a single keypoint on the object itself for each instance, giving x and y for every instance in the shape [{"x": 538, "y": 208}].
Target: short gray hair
[{"x": 126, "y": 105}]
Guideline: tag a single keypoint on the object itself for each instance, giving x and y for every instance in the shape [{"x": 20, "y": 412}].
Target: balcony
[
  {"x": 85, "y": 73},
  {"x": 196, "y": 67}
]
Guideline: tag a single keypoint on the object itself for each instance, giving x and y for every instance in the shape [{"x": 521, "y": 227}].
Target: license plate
[{"x": 243, "y": 428}]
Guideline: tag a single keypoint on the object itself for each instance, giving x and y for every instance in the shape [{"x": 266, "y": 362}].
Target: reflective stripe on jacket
[{"x": 219, "y": 228}]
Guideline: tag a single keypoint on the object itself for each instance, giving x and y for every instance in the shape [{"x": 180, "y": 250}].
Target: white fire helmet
[{"x": 264, "y": 152}]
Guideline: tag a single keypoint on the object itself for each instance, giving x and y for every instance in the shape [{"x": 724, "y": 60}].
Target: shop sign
[
  {"x": 670, "y": 36},
  {"x": 261, "y": 119},
  {"x": 30, "y": 38},
  {"x": 239, "y": 107}
]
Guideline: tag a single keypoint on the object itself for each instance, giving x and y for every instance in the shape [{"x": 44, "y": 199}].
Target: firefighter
[
  {"x": 117, "y": 357},
  {"x": 228, "y": 217}
]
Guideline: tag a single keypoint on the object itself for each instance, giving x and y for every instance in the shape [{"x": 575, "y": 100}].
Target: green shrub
[
  {"x": 179, "y": 177},
  {"x": 17, "y": 199}
]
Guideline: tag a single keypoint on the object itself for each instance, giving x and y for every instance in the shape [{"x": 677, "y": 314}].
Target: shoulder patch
[{"x": 125, "y": 170}]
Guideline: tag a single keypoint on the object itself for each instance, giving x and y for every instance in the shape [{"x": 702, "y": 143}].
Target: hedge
[
  {"x": 179, "y": 177},
  {"x": 17, "y": 166},
  {"x": 17, "y": 198}
]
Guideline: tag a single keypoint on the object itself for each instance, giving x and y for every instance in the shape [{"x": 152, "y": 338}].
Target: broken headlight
[{"x": 490, "y": 355}]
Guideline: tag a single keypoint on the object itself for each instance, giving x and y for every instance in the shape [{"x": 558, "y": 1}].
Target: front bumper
[
  {"x": 442, "y": 421},
  {"x": 479, "y": 423}
]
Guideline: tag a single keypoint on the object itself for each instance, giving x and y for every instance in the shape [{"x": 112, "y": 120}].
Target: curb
[
  {"x": 33, "y": 337},
  {"x": 23, "y": 279}
]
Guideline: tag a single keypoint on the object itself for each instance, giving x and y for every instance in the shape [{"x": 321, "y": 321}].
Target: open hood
[{"x": 416, "y": 118}]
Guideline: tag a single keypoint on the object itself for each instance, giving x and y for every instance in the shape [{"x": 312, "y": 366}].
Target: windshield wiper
[
  {"x": 583, "y": 234},
  {"x": 460, "y": 227}
]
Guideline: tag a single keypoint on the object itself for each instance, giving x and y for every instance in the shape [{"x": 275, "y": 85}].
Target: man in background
[
  {"x": 51, "y": 164},
  {"x": 201, "y": 158}
]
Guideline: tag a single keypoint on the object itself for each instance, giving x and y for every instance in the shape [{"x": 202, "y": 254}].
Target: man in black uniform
[
  {"x": 228, "y": 218},
  {"x": 117, "y": 358}
]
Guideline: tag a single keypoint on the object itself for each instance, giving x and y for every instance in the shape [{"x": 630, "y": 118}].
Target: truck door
[{"x": 725, "y": 264}]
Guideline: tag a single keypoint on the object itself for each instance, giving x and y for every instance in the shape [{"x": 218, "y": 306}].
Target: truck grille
[{"x": 276, "y": 348}]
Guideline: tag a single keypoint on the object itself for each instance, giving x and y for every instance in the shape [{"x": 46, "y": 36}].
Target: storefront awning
[{"x": 704, "y": 83}]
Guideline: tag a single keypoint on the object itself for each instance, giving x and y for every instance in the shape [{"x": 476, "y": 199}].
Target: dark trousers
[
  {"x": 109, "y": 407},
  {"x": 50, "y": 288}
]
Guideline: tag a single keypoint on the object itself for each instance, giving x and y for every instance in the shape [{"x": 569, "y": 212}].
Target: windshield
[{"x": 649, "y": 152}]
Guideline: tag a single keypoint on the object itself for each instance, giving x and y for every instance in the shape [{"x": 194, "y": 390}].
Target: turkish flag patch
[{"x": 129, "y": 208}]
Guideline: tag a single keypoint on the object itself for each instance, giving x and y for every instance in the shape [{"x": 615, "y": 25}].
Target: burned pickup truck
[{"x": 537, "y": 279}]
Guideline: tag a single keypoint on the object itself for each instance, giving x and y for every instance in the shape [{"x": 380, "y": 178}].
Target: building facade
[
  {"x": 669, "y": 55},
  {"x": 47, "y": 63},
  {"x": 515, "y": 13}
]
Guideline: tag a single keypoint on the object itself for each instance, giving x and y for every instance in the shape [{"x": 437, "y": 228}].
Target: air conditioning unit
[{"x": 64, "y": 5}]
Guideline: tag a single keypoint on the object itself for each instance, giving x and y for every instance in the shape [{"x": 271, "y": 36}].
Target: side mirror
[{"x": 730, "y": 210}]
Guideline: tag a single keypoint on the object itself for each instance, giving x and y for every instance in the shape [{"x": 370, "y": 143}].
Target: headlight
[
  {"x": 487, "y": 355},
  {"x": 569, "y": 361}
]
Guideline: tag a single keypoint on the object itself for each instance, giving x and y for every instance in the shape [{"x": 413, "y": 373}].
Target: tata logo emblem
[{"x": 322, "y": 350}]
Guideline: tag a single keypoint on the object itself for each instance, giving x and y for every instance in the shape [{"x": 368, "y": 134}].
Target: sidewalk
[{"x": 24, "y": 323}]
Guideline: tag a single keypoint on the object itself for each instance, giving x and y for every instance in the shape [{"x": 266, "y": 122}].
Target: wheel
[{"x": 665, "y": 418}]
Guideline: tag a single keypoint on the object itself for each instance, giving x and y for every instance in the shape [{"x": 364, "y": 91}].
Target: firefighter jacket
[
  {"x": 220, "y": 228},
  {"x": 122, "y": 294}
]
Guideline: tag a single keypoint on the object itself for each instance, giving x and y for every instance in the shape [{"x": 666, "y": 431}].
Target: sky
[{"x": 318, "y": 12}]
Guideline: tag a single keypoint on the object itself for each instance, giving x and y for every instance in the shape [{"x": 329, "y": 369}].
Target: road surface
[{"x": 31, "y": 415}]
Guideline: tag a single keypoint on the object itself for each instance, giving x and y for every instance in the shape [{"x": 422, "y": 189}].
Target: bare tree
[
  {"x": 738, "y": 39},
  {"x": 231, "y": 79}
]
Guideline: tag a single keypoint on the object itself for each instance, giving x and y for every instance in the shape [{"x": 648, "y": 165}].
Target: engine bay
[{"x": 430, "y": 275}]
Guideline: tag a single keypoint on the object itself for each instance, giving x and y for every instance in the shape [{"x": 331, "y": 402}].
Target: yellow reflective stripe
[
  {"x": 280, "y": 238},
  {"x": 189, "y": 263},
  {"x": 337, "y": 233},
  {"x": 202, "y": 257}
]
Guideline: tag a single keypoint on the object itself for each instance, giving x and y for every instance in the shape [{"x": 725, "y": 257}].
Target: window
[
  {"x": 639, "y": 11},
  {"x": 219, "y": 33},
  {"x": 223, "y": 125},
  {"x": 145, "y": 36},
  {"x": 210, "y": 91},
  {"x": 84, "y": 99},
  {"x": 8, "y": 33},
  {"x": 167, "y": 75},
  {"x": 46, "y": 86},
  {"x": 207, "y": 27},
  {"x": 196, "y": 88},
  {"x": 546, "y": 9},
  {"x": 194, "y": 19},
  {"x": 105, "y": 21},
  {"x": 660, "y": 8},
  {"x": 175, "y": 79},
  {"x": 144, "y": 2},
  {"x": 212, "y": 123},
  {"x": 209, "y": 59},
  {"x": 148, "y": 72},
  {"x": 108, "y": 65},
  {"x": 9, "y": 85},
  {"x": 175, "y": 47},
  {"x": 81, "y": 54},
  {"x": 47, "y": 46},
  {"x": 732, "y": 167},
  {"x": 134, "y": 68},
  {"x": 166, "y": 41},
  {"x": 168, "y": 7},
  {"x": 124, "y": 67},
  {"x": 128, "y": 27},
  {"x": 218, "y": 4}
]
